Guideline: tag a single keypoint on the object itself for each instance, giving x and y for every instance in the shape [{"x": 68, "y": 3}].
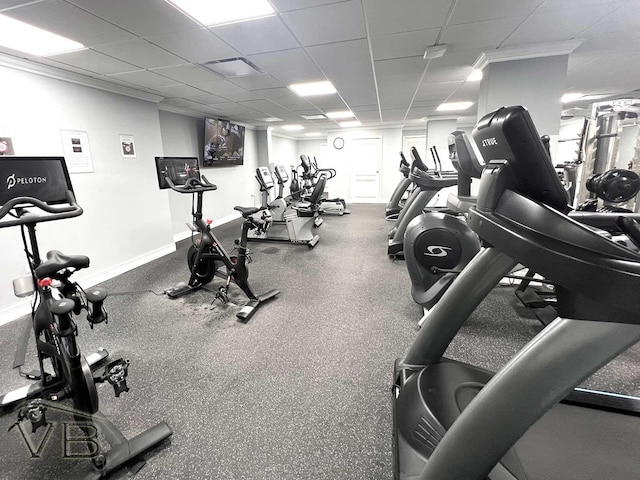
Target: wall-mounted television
[{"x": 223, "y": 143}]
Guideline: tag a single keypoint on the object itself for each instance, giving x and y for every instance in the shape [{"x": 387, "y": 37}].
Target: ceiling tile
[
  {"x": 12, "y": 3},
  {"x": 208, "y": 99},
  {"x": 369, "y": 116},
  {"x": 142, "y": 17},
  {"x": 226, "y": 90},
  {"x": 71, "y": 22},
  {"x": 328, "y": 102},
  {"x": 487, "y": 34},
  {"x": 255, "y": 82},
  {"x": 94, "y": 62},
  {"x": 198, "y": 46},
  {"x": 264, "y": 106},
  {"x": 327, "y": 24},
  {"x": 355, "y": 95},
  {"x": 326, "y": 56},
  {"x": 274, "y": 62},
  {"x": 144, "y": 78},
  {"x": 386, "y": 17},
  {"x": 620, "y": 20},
  {"x": 557, "y": 25},
  {"x": 187, "y": 74},
  {"x": 281, "y": 96},
  {"x": 180, "y": 91},
  {"x": 550, "y": 5},
  {"x": 287, "y": 77},
  {"x": 140, "y": 52},
  {"x": 183, "y": 103},
  {"x": 288, "y": 5},
  {"x": 468, "y": 11},
  {"x": 257, "y": 36},
  {"x": 406, "y": 44},
  {"x": 401, "y": 67}
]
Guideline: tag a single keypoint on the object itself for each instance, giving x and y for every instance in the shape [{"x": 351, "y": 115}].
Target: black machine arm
[
  {"x": 417, "y": 161},
  {"x": 54, "y": 212},
  {"x": 403, "y": 161},
  {"x": 192, "y": 185},
  {"x": 331, "y": 172}
]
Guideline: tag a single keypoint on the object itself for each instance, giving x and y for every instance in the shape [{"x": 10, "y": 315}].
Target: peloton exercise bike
[
  {"x": 428, "y": 184},
  {"x": 282, "y": 177},
  {"x": 396, "y": 202},
  {"x": 39, "y": 190},
  {"x": 206, "y": 257},
  {"x": 456, "y": 421},
  {"x": 277, "y": 224}
]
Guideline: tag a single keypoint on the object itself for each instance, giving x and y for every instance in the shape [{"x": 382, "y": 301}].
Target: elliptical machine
[
  {"x": 64, "y": 372},
  {"x": 310, "y": 176},
  {"x": 396, "y": 204},
  {"x": 274, "y": 215},
  {"x": 206, "y": 257},
  {"x": 428, "y": 185},
  {"x": 282, "y": 178}
]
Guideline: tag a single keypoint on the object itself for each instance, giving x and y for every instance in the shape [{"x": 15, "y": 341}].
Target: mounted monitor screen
[
  {"x": 224, "y": 143},
  {"x": 44, "y": 178},
  {"x": 178, "y": 169}
]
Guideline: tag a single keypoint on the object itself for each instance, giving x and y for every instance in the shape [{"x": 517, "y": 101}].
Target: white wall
[
  {"x": 126, "y": 218},
  {"x": 284, "y": 151}
]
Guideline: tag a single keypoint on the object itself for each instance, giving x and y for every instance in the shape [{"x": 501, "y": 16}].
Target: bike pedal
[
  {"x": 116, "y": 374},
  {"x": 35, "y": 412}
]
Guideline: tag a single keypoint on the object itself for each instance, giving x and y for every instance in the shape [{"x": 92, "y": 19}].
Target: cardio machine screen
[
  {"x": 44, "y": 178},
  {"x": 178, "y": 169}
]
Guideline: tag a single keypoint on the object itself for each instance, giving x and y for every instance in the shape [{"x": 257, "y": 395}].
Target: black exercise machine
[
  {"x": 396, "y": 202},
  {"x": 206, "y": 256},
  {"x": 39, "y": 190}
]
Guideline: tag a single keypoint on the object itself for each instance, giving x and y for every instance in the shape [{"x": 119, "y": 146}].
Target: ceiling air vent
[{"x": 232, "y": 67}]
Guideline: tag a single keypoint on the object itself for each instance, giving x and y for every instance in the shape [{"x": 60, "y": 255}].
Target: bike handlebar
[
  {"x": 55, "y": 212},
  {"x": 192, "y": 185}
]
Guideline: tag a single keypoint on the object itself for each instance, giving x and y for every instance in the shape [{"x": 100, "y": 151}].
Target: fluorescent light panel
[
  {"x": 452, "y": 106},
  {"x": 571, "y": 97},
  {"x": 209, "y": 14},
  {"x": 313, "y": 88},
  {"x": 341, "y": 114},
  {"x": 270, "y": 119},
  {"x": 475, "y": 76},
  {"x": 29, "y": 39},
  {"x": 352, "y": 123},
  {"x": 293, "y": 128},
  {"x": 314, "y": 117}
]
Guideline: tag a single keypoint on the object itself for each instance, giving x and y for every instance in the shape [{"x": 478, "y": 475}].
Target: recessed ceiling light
[
  {"x": 352, "y": 123},
  {"x": 224, "y": 12},
  {"x": 270, "y": 119},
  {"x": 293, "y": 128},
  {"x": 29, "y": 39},
  {"x": 571, "y": 97},
  {"x": 313, "y": 88},
  {"x": 451, "y": 106},
  {"x": 314, "y": 134},
  {"x": 475, "y": 76},
  {"x": 314, "y": 117},
  {"x": 341, "y": 114}
]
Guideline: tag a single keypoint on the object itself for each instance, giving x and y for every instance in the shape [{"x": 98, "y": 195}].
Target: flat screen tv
[{"x": 223, "y": 143}]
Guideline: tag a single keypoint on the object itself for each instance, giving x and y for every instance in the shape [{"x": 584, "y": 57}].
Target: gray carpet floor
[{"x": 302, "y": 391}]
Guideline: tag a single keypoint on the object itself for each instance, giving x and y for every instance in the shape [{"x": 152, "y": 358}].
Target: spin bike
[
  {"x": 206, "y": 257},
  {"x": 64, "y": 372}
]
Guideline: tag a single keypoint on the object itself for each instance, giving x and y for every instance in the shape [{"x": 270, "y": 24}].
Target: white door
[
  {"x": 418, "y": 141},
  {"x": 365, "y": 156}
]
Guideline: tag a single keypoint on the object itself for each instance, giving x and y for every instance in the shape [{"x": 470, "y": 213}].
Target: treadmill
[{"x": 456, "y": 421}]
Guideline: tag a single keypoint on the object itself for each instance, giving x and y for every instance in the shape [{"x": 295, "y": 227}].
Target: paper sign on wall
[
  {"x": 127, "y": 146},
  {"x": 76, "y": 151},
  {"x": 6, "y": 146}
]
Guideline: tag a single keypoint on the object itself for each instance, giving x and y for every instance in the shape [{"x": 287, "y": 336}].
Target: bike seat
[
  {"x": 56, "y": 261},
  {"x": 246, "y": 211}
]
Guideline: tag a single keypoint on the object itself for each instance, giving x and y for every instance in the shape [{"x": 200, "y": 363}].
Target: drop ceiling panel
[
  {"x": 144, "y": 78},
  {"x": 400, "y": 67},
  {"x": 180, "y": 91},
  {"x": 183, "y": 103},
  {"x": 257, "y": 36},
  {"x": 468, "y": 11},
  {"x": 94, "y": 62},
  {"x": 273, "y": 62},
  {"x": 626, "y": 41},
  {"x": 577, "y": 61},
  {"x": 326, "y": 56},
  {"x": 261, "y": 105},
  {"x": 328, "y": 102},
  {"x": 365, "y": 108},
  {"x": 550, "y": 5},
  {"x": 255, "y": 82},
  {"x": 198, "y": 46},
  {"x": 620, "y": 20},
  {"x": 455, "y": 59},
  {"x": 443, "y": 75},
  {"x": 327, "y": 24},
  {"x": 406, "y": 44},
  {"x": 226, "y": 90},
  {"x": 208, "y": 99},
  {"x": 287, "y": 77},
  {"x": 480, "y": 34},
  {"x": 278, "y": 94},
  {"x": 386, "y": 17},
  {"x": 288, "y": 5},
  {"x": 142, "y": 17},
  {"x": 393, "y": 114},
  {"x": 69, "y": 21},
  {"x": 187, "y": 74},
  {"x": 355, "y": 96},
  {"x": 557, "y": 25},
  {"x": 140, "y": 52},
  {"x": 12, "y": 3},
  {"x": 369, "y": 116}
]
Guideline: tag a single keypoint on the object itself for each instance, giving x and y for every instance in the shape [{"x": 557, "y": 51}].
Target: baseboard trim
[{"x": 24, "y": 307}]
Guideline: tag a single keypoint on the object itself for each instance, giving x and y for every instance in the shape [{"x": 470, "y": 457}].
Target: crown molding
[{"x": 522, "y": 52}]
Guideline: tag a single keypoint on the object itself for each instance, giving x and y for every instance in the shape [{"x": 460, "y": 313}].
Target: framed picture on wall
[
  {"x": 127, "y": 146},
  {"x": 6, "y": 146}
]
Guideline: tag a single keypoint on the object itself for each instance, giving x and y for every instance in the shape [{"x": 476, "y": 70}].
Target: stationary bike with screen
[
  {"x": 206, "y": 257},
  {"x": 37, "y": 190}
]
